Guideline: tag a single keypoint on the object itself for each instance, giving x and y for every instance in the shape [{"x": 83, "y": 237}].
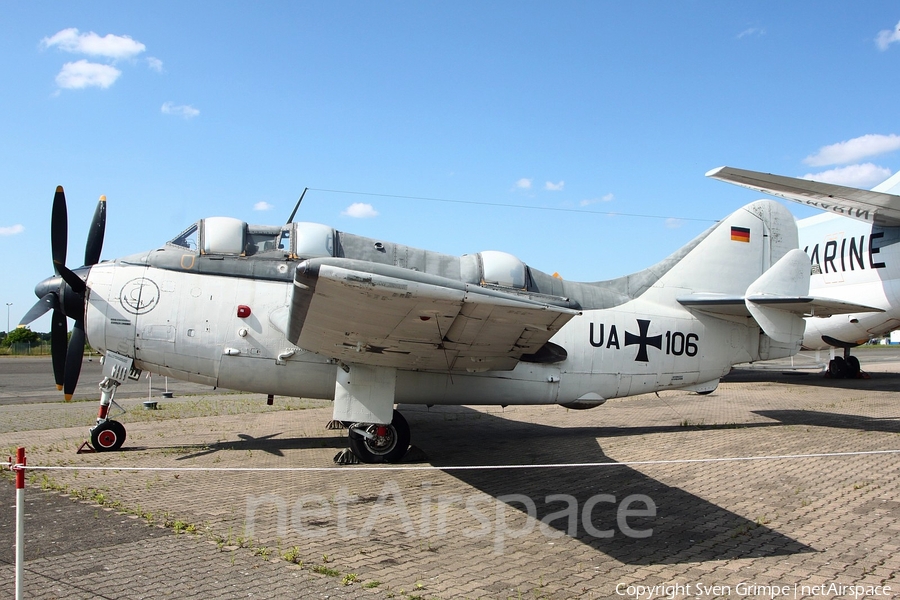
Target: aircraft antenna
[{"x": 291, "y": 218}]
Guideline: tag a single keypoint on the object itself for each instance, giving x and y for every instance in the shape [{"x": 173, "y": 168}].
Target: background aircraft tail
[{"x": 891, "y": 185}]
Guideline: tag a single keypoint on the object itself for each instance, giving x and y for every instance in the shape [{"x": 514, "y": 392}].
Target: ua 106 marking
[{"x": 677, "y": 343}]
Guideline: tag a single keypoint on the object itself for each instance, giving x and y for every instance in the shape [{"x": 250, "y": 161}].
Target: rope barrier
[{"x": 479, "y": 467}]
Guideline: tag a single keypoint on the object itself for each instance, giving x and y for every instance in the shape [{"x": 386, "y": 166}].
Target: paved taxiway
[{"x": 823, "y": 513}]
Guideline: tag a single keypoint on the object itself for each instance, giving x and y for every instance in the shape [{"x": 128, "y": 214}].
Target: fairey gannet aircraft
[
  {"x": 305, "y": 310},
  {"x": 854, "y": 251}
]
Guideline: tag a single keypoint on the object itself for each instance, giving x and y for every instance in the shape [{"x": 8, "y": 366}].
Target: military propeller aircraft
[
  {"x": 854, "y": 252},
  {"x": 302, "y": 309}
]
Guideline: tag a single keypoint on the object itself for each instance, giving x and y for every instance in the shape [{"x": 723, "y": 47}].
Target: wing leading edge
[
  {"x": 879, "y": 208},
  {"x": 380, "y": 315}
]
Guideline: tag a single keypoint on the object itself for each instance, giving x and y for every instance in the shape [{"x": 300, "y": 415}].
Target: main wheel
[
  {"x": 374, "y": 443},
  {"x": 837, "y": 367},
  {"x": 852, "y": 367},
  {"x": 109, "y": 435}
]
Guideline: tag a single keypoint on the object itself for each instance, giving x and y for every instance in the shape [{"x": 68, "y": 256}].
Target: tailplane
[{"x": 749, "y": 266}]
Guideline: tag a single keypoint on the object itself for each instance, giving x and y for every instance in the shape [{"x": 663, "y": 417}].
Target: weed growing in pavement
[{"x": 323, "y": 570}]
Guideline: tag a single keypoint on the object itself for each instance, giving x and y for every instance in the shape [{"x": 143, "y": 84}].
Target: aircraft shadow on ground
[
  {"x": 271, "y": 444},
  {"x": 875, "y": 382},
  {"x": 836, "y": 420},
  {"x": 686, "y": 528}
]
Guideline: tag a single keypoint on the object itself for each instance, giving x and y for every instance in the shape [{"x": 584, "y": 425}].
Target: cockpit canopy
[{"x": 226, "y": 236}]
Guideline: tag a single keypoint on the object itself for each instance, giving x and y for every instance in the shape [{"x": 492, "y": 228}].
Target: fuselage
[
  {"x": 857, "y": 262},
  {"x": 207, "y": 310},
  {"x": 187, "y": 325}
]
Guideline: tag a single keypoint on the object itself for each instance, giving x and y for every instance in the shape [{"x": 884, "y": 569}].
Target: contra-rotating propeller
[{"x": 65, "y": 292}]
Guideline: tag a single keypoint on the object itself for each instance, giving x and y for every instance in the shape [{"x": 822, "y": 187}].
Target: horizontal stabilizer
[
  {"x": 789, "y": 277},
  {"x": 805, "y": 306},
  {"x": 784, "y": 287},
  {"x": 875, "y": 207}
]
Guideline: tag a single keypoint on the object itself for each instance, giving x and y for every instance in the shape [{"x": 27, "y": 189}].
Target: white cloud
[
  {"x": 182, "y": 110},
  {"x": 155, "y": 64},
  {"x": 751, "y": 31},
  {"x": 859, "y": 176},
  {"x": 263, "y": 205},
  {"x": 673, "y": 223},
  {"x": 109, "y": 46},
  {"x": 886, "y": 37},
  {"x": 554, "y": 187},
  {"x": 854, "y": 150},
  {"x": 360, "y": 210},
  {"x": 588, "y": 202},
  {"x": 523, "y": 184},
  {"x": 14, "y": 230},
  {"x": 82, "y": 74}
]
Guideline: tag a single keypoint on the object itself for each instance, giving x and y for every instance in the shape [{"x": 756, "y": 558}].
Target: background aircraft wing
[
  {"x": 388, "y": 316},
  {"x": 878, "y": 208}
]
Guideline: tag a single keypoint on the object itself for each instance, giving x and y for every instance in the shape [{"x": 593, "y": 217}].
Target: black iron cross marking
[{"x": 643, "y": 340}]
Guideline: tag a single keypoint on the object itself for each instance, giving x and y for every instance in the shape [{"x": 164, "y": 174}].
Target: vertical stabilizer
[
  {"x": 891, "y": 185},
  {"x": 788, "y": 278},
  {"x": 734, "y": 255}
]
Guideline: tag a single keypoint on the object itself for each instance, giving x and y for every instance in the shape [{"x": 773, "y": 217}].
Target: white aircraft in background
[
  {"x": 304, "y": 310},
  {"x": 854, "y": 249}
]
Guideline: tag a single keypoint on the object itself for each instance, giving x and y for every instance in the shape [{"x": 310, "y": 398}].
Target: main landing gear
[
  {"x": 846, "y": 367},
  {"x": 374, "y": 443}
]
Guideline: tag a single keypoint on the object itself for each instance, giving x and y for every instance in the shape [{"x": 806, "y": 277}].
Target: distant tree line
[{"x": 23, "y": 335}]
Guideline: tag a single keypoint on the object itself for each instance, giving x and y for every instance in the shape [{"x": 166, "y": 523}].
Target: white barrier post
[{"x": 19, "y": 468}]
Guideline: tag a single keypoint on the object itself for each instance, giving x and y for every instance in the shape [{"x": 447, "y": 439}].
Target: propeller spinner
[{"x": 64, "y": 293}]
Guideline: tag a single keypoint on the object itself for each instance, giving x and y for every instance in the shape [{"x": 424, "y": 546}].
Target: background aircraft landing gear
[
  {"x": 107, "y": 436},
  {"x": 374, "y": 443},
  {"x": 844, "y": 367}
]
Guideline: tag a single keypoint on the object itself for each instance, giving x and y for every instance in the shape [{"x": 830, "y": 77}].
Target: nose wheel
[{"x": 107, "y": 436}]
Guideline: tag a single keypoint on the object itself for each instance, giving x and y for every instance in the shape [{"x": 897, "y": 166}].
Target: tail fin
[
  {"x": 786, "y": 283},
  {"x": 734, "y": 254},
  {"x": 891, "y": 185},
  {"x": 749, "y": 266}
]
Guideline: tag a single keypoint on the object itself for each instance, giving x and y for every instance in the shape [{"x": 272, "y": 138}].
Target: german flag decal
[{"x": 740, "y": 234}]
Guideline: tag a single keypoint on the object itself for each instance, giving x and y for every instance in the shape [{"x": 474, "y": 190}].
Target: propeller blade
[
  {"x": 40, "y": 308},
  {"x": 95, "y": 235},
  {"x": 74, "y": 358},
  {"x": 59, "y": 227},
  {"x": 75, "y": 282},
  {"x": 58, "y": 340}
]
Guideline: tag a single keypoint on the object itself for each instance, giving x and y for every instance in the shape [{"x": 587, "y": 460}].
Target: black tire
[
  {"x": 108, "y": 436},
  {"x": 389, "y": 444},
  {"x": 837, "y": 368},
  {"x": 853, "y": 368}
]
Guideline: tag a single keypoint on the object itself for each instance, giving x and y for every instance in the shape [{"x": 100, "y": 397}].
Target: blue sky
[{"x": 580, "y": 115}]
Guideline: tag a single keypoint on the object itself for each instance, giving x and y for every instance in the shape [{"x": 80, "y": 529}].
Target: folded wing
[{"x": 387, "y": 316}]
